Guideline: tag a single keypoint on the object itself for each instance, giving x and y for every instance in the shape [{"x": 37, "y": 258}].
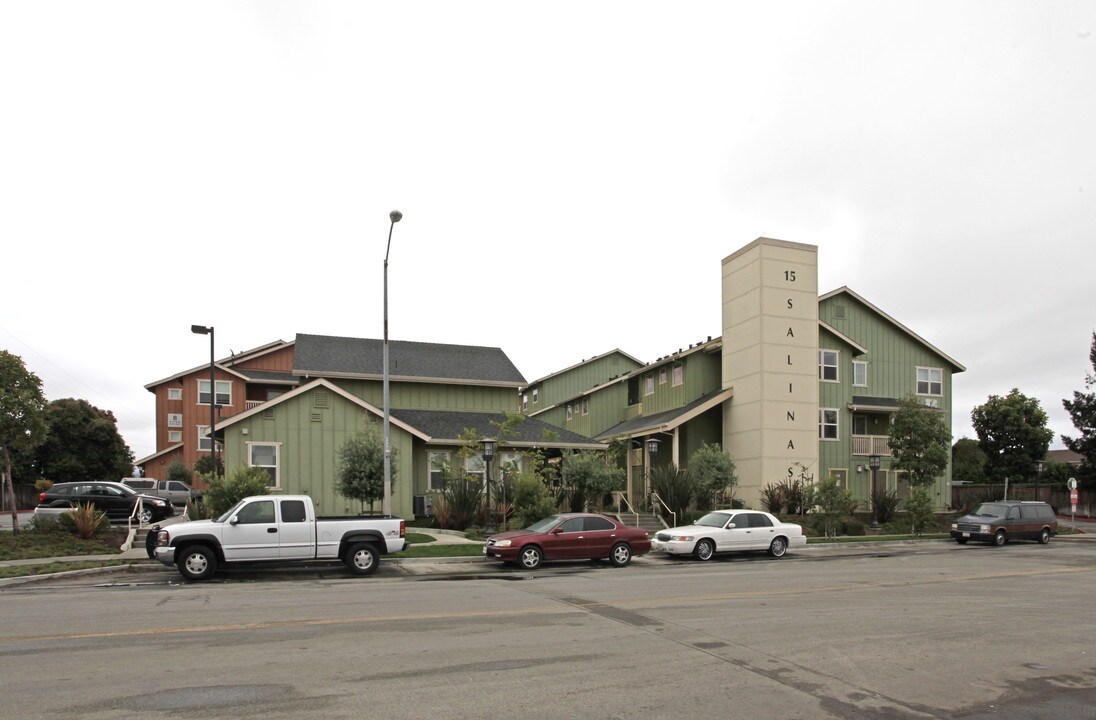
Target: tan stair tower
[{"x": 770, "y": 359}]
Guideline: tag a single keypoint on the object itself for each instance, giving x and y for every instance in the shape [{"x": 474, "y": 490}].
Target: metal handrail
[
  {"x": 622, "y": 497},
  {"x": 655, "y": 497}
]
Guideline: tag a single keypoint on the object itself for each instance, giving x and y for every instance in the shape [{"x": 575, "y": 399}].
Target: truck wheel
[
  {"x": 197, "y": 562},
  {"x": 361, "y": 558}
]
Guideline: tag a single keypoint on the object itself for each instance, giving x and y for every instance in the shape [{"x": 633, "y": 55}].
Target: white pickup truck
[{"x": 276, "y": 529}]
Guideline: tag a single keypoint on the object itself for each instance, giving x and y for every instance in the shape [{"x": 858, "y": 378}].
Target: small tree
[
  {"x": 359, "y": 473},
  {"x": 203, "y": 466},
  {"x": 224, "y": 492},
  {"x": 532, "y": 499},
  {"x": 713, "y": 470},
  {"x": 920, "y": 442},
  {"x": 588, "y": 476},
  {"x": 919, "y": 506},
  {"x": 22, "y": 417},
  {"x": 831, "y": 503},
  {"x": 968, "y": 462}
]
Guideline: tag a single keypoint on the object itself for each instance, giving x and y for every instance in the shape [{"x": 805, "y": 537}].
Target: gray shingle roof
[
  {"x": 324, "y": 355},
  {"x": 449, "y": 424},
  {"x": 267, "y": 375}
]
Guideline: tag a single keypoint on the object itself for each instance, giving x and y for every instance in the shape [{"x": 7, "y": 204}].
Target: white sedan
[{"x": 730, "y": 531}]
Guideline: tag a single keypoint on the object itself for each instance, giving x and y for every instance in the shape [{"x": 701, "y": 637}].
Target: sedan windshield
[
  {"x": 544, "y": 525},
  {"x": 714, "y": 519}
]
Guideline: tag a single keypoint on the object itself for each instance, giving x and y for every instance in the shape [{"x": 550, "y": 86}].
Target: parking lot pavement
[{"x": 24, "y": 517}]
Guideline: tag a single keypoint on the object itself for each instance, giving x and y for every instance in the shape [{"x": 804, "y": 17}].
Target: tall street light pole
[
  {"x": 386, "y": 506},
  {"x": 203, "y": 330}
]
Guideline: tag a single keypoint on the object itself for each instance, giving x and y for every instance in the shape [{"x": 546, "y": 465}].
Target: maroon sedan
[{"x": 569, "y": 536}]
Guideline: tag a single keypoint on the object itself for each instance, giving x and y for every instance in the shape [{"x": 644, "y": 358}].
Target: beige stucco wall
[{"x": 770, "y": 358}]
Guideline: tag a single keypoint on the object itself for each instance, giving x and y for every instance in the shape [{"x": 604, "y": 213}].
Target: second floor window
[
  {"x": 203, "y": 438},
  {"x": 827, "y": 424},
  {"x": 175, "y": 436},
  {"x": 224, "y": 392},
  {"x": 174, "y": 393},
  {"x": 679, "y": 374},
  {"x": 930, "y": 381},
  {"x": 859, "y": 373},
  {"x": 649, "y": 384},
  {"x": 827, "y": 365}
]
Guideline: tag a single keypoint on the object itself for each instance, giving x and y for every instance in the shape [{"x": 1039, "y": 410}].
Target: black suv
[
  {"x": 1000, "y": 521},
  {"x": 115, "y": 499}
]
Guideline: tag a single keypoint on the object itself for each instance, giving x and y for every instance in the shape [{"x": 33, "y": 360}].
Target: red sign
[{"x": 1073, "y": 499}]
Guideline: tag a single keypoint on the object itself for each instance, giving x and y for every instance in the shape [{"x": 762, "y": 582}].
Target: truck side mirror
[{"x": 233, "y": 520}]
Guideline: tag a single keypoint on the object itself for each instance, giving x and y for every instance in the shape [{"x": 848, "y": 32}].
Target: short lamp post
[
  {"x": 652, "y": 449},
  {"x": 488, "y": 454},
  {"x": 873, "y": 463},
  {"x": 1038, "y": 475},
  {"x": 203, "y": 330}
]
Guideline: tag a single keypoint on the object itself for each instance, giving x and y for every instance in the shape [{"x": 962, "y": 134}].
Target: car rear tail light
[
  {"x": 403, "y": 529},
  {"x": 41, "y": 497}
]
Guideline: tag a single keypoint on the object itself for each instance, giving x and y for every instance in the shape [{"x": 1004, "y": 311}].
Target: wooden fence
[{"x": 966, "y": 496}]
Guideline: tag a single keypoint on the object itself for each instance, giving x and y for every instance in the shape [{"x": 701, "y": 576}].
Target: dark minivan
[{"x": 1004, "y": 520}]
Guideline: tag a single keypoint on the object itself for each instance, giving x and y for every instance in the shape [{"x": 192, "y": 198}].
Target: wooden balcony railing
[
  {"x": 871, "y": 445},
  {"x": 252, "y": 404}
]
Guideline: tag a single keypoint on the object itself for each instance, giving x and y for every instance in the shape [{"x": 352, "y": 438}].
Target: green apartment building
[{"x": 797, "y": 384}]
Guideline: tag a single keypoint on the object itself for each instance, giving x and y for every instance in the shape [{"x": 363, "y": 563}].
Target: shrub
[
  {"x": 885, "y": 503},
  {"x": 224, "y": 492},
  {"x": 180, "y": 473},
  {"x": 677, "y": 488},
  {"x": 772, "y": 499},
  {"x": 41, "y": 485},
  {"x": 852, "y": 526},
  {"x": 84, "y": 520},
  {"x": 464, "y": 500}
]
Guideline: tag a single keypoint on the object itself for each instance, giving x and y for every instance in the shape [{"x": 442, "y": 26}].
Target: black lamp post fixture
[
  {"x": 652, "y": 446},
  {"x": 488, "y": 453},
  {"x": 1038, "y": 475},
  {"x": 203, "y": 330},
  {"x": 873, "y": 463},
  {"x": 386, "y": 504}
]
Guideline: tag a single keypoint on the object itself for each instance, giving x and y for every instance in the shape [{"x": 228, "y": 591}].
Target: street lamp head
[
  {"x": 873, "y": 462},
  {"x": 200, "y": 329},
  {"x": 395, "y": 216},
  {"x": 652, "y": 446},
  {"x": 488, "y": 449}
]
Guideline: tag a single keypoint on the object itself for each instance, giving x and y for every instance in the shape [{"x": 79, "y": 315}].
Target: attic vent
[
  {"x": 839, "y": 311},
  {"x": 317, "y": 416},
  {"x": 320, "y": 399},
  {"x": 268, "y": 414}
]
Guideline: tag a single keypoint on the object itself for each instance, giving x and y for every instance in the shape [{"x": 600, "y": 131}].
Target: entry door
[{"x": 252, "y": 533}]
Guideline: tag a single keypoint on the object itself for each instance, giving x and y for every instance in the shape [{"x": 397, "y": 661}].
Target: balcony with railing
[
  {"x": 871, "y": 445},
  {"x": 253, "y": 404}
]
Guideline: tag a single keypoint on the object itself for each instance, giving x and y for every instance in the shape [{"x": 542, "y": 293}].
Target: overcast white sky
[{"x": 571, "y": 175}]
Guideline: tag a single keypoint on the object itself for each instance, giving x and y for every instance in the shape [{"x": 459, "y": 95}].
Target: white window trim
[
  {"x": 649, "y": 384},
  {"x": 277, "y": 460},
  {"x": 586, "y": 406},
  {"x": 836, "y": 365},
  {"x": 662, "y": 376},
  {"x": 859, "y": 363},
  {"x": 570, "y": 411},
  {"x": 218, "y": 383},
  {"x": 536, "y": 395},
  {"x": 174, "y": 393},
  {"x": 431, "y": 456},
  {"x": 174, "y": 436},
  {"x": 203, "y": 436},
  {"x": 678, "y": 375},
  {"x": 917, "y": 381},
  {"x": 836, "y": 425}
]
